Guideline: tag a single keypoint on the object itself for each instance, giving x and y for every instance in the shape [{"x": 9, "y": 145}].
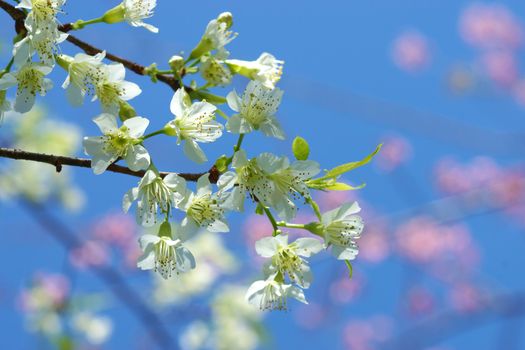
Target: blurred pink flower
[
  {"x": 422, "y": 240},
  {"x": 366, "y": 334},
  {"x": 374, "y": 245},
  {"x": 118, "y": 229},
  {"x": 310, "y": 316},
  {"x": 55, "y": 286},
  {"x": 501, "y": 67},
  {"x": 91, "y": 253},
  {"x": 410, "y": 51},
  {"x": 344, "y": 289},
  {"x": 396, "y": 150},
  {"x": 420, "y": 301},
  {"x": 490, "y": 26},
  {"x": 466, "y": 297}
]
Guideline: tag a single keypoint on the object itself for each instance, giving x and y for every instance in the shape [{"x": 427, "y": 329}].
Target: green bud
[
  {"x": 176, "y": 62},
  {"x": 315, "y": 227},
  {"x": 222, "y": 163},
  {"x": 300, "y": 148},
  {"x": 115, "y": 15},
  {"x": 126, "y": 111},
  {"x": 227, "y": 18},
  {"x": 169, "y": 130},
  {"x": 165, "y": 230}
]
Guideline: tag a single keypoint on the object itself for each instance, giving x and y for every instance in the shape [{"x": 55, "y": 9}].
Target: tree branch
[
  {"x": 109, "y": 276},
  {"x": 59, "y": 161},
  {"x": 19, "y": 16}
]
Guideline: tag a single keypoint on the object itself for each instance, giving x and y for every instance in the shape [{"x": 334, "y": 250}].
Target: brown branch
[
  {"x": 19, "y": 16},
  {"x": 59, "y": 161}
]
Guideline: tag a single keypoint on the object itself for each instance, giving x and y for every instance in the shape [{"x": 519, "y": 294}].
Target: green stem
[
  {"x": 268, "y": 213},
  {"x": 315, "y": 207},
  {"x": 237, "y": 147},
  {"x": 164, "y": 72},
  {"x": 7, "y": 68},
  {"x": 222, "y": 114},
  {"x": 158, "y": 132},
  {"x": 80, "y": 24},
  {"x": 289, "y": 225}
]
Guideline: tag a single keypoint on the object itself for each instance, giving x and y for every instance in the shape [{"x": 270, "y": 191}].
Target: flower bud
[
  {"x": 227, "y": 18},
  {"x": 176, "y": 62},
  {"x": 165, "y": 230},
  {"x": 126, "y": 111}
]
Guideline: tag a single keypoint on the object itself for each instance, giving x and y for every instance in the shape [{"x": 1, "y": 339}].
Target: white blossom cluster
[{"x": 277, "y": 185}]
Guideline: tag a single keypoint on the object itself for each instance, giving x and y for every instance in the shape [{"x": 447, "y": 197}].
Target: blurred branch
[
  {"x": 454, "y": 322},
  {"x": 19, "y": 16},
  {"x": 109, "y": 276},
  {"x": 59, "y": 161},
  {"x": 401, "y": 117}
]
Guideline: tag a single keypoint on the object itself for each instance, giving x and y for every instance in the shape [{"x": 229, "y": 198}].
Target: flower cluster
[{"x": 276, "y": 184}]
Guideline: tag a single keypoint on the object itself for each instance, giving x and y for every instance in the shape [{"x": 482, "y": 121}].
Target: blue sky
[{"x": 342, "y": 93}]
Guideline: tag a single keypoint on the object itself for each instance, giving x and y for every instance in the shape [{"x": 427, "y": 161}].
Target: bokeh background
[{"x": 439, "y": 83}]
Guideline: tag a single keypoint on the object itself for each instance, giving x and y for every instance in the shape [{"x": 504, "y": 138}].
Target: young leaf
[
  {"x": 341, "y": 169},
  {"x": 300, "y": 148}
]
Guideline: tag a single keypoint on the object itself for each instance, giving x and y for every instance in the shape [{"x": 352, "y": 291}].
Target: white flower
[
  {"x": 214, "y": 72},
  {"x": 155, "y": 193},
  {"x": 111, "y": 88},
  {"x": 96, "y": 329},
  {"x": 288, "y": 181},
  {"x": 30, "y": 80},
  {"x": 42, "y": 14},
  {"x": 5, "y": 105},
  {"x": 341, "y": 229},
  {"x": 266, "y": 69},
  {"x": 137, "y": 10},
  {"x": 84, "y": 73},
  {"x": 164, "y": 254},
  {"x": 247, "y": 178},
  {"x": 256, "y": 110},
  {"x": 216, "y": 36},
  {"x": 44, "y": 43},
  {"x": 193, "y": 123},
  {"x": 270, "y": 294},
  {"x": 286, "y": 259},
  {"x": 204, "y": 209},
  {"x": 123, "y": 142}
]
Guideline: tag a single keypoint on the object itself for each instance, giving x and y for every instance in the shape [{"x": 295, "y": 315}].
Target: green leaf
[
  {"x": 300, "y": 148},
  {"x": 350, "y": 268},
  {"x": 341, "y": 186},
  {"x": 222, "y": 163},
  {"x": 344, "y": 168}
]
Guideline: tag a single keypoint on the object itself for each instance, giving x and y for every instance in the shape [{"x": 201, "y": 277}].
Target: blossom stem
[
  {"x": 158, "y": 132},
  {"x": 289, "y": 225},
  {"x": 315, "y": 207},
  {"x": 169, "y": 71},
  {"x": 269, "y": 214},
  {"x": 237, "y": 147},
  {"x": 7, "y": 68},
  {"x": 80, "y": 24},
  {"x": 222, "y": 114}
]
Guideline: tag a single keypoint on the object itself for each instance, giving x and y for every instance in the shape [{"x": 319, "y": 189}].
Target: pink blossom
[
  {"x": 420, "y": 301},
  {"x": 490, "y": 26},
  {"x": 466, "y": 297},
  {"x": 374, "y": 245},
  {"x": 411, "y": 52},
  {"x": 396, "y": 150},
  {"x": 501, "y": 67},
  {"x": 367, "y": 334},
  {"x": 311, "y": 316},
  {"x": 118, "y": 229},
  {"x": 344, "y": 289},
  {"x": 91, "y": 253}
]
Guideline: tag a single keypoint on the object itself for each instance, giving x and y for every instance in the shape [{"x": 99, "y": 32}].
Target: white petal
[
  {"x": 178, "y": 105},
  {"x": 25, "y": 100},
  {"x": 7, "y": 81},
  {"x": 129, "y": 198},
  {"x": 339, "y": 213},
  {"x": 193, "y": 151},
  {"x": 130, "y": 90},
  {"x": 308, "y": 246},
  {"x": 137, "y": 126},
  {"x": 267, "y": 246},
  {"x": 234, "y": 101},
  {"x": 344, "y": 253},
  {"x": 137, "y": 158},
  {"x": 106, "y": 123}
]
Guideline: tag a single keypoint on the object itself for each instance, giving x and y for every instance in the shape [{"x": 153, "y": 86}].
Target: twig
[
  {"x": 19, "y": 16},
  {"x": 59, "y": 161},
  {"x": 112, "y": 278}
]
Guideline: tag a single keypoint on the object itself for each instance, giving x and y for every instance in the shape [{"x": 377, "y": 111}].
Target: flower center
[
  {"x": 165, "y": 261},
  {"x": 204, "y": 210},
  {"x": 30, "y": 79},
  {"x": 288, "y": 263}
]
